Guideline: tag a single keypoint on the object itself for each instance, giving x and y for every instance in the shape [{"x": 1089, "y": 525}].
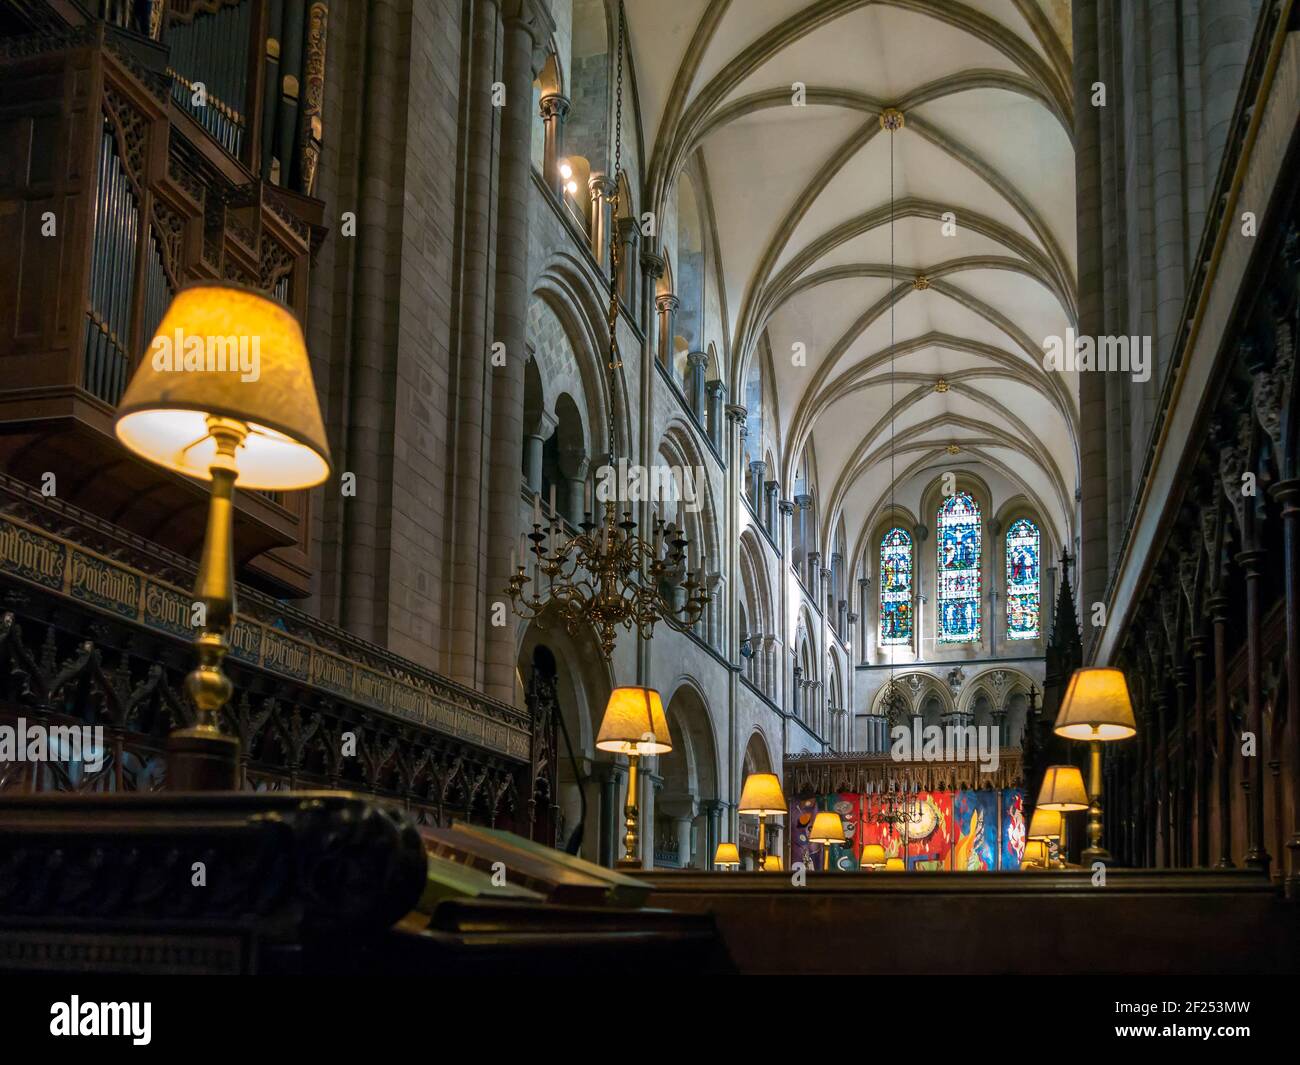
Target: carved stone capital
[
  {"x": 553, "y": 106},
  {"x": 534, "y": 18},
  {"x": 652, "y": 265},
  {"x": 601, "y": 186}
]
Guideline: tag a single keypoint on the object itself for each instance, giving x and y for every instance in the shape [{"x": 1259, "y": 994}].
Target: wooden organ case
[{"x": 157, "y": 145}]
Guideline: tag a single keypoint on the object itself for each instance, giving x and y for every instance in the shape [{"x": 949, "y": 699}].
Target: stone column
[
  {"x": 1217, "y": 605},
  {"x": 554, "y": 108},
  {"x": 466, "y": 589},
  {"x": 782, "y": 533},
  {"x": 716, "y": 393},
  {"x": 796, "y": 691},
  {"x": 802, "y": 503},
  {"x": 609, "y": 815},
  {"x": 756, "y": 470},
  {"x": 1090, "y": 172},
  {"x": 601, "y": 189},
  {"x": 667, "y": 305},
  {"x": 769, "y": 666},
  {"x": 534, "y": 440},
  {"x": 1252, "y": 563},
  {"x": 716, "y": 587},
  {"x": 812, "y": 576},
  {"x": 1287, "y": 493},
  {"x": 684, "y": 855},
  {"x": 682, "y": 808},
  {"x": 527, "y": 29},
  {"x": 918, "y": 624},
  {"x": 628, "y": 234},
  {"x": 864, "y": 593},
  {"x": 651, "y": 784},
  {"x": 1224, "y": 35},
  {"x": 1000, "y": 723},
  {"x": 652, "y": 269},
  {"x": 996, "y": 535},
  {"x": 573, "y": 468},
  {"x": 697, "y": 363},
  {"x": 712, "y": 816},
  {"x": 770, "y": 515}
]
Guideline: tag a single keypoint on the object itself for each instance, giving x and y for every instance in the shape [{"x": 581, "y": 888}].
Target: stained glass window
[
  {"x": 895, "y": 588},
  {"x": 1022, "y": 580},
  {"x": 959, "y": 569}
]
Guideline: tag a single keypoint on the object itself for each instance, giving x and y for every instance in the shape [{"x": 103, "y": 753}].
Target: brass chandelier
[{"x": 608, "y": 575}]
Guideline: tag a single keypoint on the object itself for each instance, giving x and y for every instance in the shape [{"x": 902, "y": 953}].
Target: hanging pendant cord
[{"x": 615, "y": 362}]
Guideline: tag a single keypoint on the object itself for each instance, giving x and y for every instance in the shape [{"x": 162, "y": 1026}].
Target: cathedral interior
[{"x": 569, "y": 486}]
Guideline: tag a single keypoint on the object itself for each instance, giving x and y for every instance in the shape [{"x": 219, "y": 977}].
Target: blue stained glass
[
  {"x": 895, "y": 588},
  {"x": 1023, "y": 543},
  {"x": 959, "y": 569}
]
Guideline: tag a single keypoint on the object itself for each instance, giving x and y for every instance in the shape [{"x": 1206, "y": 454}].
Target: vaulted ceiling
[{"x": 802, "y": 203}]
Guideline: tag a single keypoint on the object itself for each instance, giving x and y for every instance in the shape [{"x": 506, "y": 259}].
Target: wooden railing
[{"x": 95, "y": 629}]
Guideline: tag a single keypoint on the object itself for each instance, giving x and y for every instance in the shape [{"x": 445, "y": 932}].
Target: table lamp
[
  {"x": 827, "y": 829},
  {"x": 895, "y": 865},
  {"x": 1045, "y": 825},
  {"x": 873, "y": 856},
  {"x": 727, "y": 856},
  {"x": 634, "y": 724},
  {"x": 1062, "y": 791},
  {"x": 761, "y": 796},
  {"x": 1036, "y": 856},
  {"x": 1096, "y": 709},
  {"x": 224, "y": 394},
  {"x": 772, "y": 863}
]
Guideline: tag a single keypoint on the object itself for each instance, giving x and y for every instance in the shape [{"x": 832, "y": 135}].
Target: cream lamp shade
[
  {"x": 1062, "y": 789},
  {"x": 1096, "y": 706},
  {"x": 227, "y": 352},
  {"x": 762, "y": 795},
  {"x": 873, "y": 854},
  {"x": 827, "y": 828},
  {"x": 1036, "y": 853},
  {"x": 727, "y": 854},
  {"x": 1045, "y": 824},
  {"x": 895, "y": 865},
  {"x": 772, "y": 863},
  {"x": 634, "y": 723}
]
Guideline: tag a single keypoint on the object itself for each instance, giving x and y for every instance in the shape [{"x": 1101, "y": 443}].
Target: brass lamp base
[{"x": 200, "y": 759}]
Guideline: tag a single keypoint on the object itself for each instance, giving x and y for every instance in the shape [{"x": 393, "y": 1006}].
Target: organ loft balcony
[{"x": 140, "y": 153}]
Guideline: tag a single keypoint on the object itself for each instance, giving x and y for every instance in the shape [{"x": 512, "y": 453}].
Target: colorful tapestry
[
  {"x": 1014, "y": 829},
  {"x": 802, "y": 812},
  {"x": 976, "y": 817},
  {"x": 845, "y": 858},
  {"x": 932, "y": 831},
  {"x": 916, "y": 828}
]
